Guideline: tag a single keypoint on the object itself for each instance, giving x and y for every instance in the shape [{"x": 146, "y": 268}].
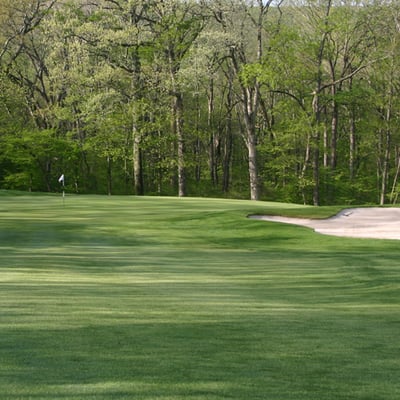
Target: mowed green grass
[{"x": 171, "y": 299}]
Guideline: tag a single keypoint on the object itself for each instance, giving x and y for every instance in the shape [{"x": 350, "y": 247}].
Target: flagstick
[{"x": 62, "y": 180}]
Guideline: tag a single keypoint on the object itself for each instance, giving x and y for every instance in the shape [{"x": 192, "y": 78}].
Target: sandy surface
[{"x": 374, "y": 222}]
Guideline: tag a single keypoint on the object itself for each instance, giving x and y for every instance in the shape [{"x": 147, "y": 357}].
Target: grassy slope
[{"x": 162, "y": 298}]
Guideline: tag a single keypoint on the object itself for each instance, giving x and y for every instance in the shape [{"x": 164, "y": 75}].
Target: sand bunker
[{"x": 374, "y": 222}]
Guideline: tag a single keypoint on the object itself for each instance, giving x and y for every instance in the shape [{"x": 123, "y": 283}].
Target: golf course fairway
[{"x": 150, "y": 298}]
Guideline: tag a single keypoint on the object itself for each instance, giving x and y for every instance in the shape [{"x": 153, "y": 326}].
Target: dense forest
[{"x": 289, "y": 100}]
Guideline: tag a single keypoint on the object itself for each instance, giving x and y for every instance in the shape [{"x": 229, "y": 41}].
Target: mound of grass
[{"x": 166, "y": 298}]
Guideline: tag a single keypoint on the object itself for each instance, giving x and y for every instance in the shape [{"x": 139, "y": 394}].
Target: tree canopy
[{"x": 282, "y": 100}]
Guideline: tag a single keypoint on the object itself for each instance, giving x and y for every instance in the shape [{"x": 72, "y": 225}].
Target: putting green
[{"x": 167, "y": 298}]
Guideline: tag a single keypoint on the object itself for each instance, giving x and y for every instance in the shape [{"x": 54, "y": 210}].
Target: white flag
[{"x": 61, "y": 179}]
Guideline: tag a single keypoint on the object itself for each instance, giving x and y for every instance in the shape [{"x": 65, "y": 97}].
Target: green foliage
[
  {"x": 33, "y": 160},
  {"x": 83, "y": 85}
]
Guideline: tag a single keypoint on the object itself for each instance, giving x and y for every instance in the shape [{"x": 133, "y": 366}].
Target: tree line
[{"x": 289, "y": 100}]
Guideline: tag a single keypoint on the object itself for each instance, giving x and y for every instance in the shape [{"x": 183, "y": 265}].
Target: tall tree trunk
[
  {"x": 250, "y": 94},
  {"x": 137, "y": 94},
  {"x": 352, "y": 145},
  {"x": 109, "y": 175},
  {"x": 307, "y": 157},
  {"x": 315, "y": 164},
  {"x": 315, "y": 140},
  {"x": 210, "y": 125},
  {"x": 334, "y": 131},
  {"x": 253, "y": 170},
  {"x": 197, "y": 148},
  {"x": 249, "y": 109},
  {"x": 227, "y": 156},
  {"x": 385, "y": 166},
  {"x": 178, "y": 130},
  {"x": 138, "y": 180},
  {"x": 249, "y": 106},
  {"x": 326, "y": 147},
  {"x": 228, "y": 142}
]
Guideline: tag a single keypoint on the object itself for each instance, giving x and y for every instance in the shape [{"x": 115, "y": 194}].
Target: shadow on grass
[
  {"x": 286, "y": 355},
  {"x": 207, "y": 307}
]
